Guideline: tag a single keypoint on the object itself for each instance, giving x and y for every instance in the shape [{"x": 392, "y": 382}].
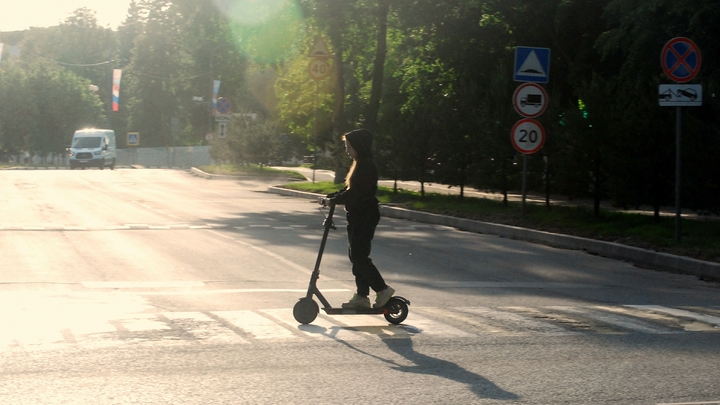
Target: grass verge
[{"x": 699, "y": 237}]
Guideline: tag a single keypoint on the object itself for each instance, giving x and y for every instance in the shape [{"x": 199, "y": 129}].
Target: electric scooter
[{"x": 306, "y": 309}]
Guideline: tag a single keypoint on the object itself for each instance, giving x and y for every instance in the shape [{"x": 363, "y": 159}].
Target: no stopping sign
[{"x": 527, "y": 136}]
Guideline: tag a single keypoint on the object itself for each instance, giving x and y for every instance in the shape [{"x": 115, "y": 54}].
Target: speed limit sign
[
  {"x": 527, "y": 136},
  {"x": 318, "y": 69}
]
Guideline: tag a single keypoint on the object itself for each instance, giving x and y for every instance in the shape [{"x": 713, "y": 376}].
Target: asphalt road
[{"x": 158, "y": 287}]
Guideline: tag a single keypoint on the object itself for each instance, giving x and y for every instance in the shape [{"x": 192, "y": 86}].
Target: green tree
[
  {"x": 41, "y": 106},
  {"x": 253, "y": 139}
]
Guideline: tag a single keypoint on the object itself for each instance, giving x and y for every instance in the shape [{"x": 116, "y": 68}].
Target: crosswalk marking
[
  {"x": 619, "y": 321},
  {"x": 517, "y": 321},
  {"x": 44, "y": 321},
  {"x": 479, "y": 324},
  {"x": 142, "y": 323},
  {"x": 421, "y": 324},
  {"x": 204, "y": 328},
  {"x": 676, "y": 323},
  {"x": 320, "y": 327},
  {"x": 256, "y": 325},
  {"x": 713, "y": 320}
]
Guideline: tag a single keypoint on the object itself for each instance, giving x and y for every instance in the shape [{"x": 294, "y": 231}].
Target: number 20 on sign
[{"x": 528, "y": 136}]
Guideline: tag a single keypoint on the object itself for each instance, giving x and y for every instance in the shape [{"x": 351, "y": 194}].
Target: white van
[{"x": 93, "y": 148}]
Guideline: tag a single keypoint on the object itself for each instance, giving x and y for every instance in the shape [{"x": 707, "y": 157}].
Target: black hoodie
[{"x": 363, "y": 182}]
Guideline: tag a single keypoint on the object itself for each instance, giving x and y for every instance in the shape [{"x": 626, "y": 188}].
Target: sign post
[
  {"x": 318, "y": 69},
  {"x": 532, "y": 65},
  {"x": 680, "y": 59},
  {"x": 528, "y": 137}
]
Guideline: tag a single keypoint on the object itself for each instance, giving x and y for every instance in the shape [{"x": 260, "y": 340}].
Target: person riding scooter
[{"x": 363, "y": 215}]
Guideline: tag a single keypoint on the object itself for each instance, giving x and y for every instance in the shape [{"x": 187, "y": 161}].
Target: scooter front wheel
[
  {"x": 397, "y": 311},
  {"x": 306, "y": 310}
]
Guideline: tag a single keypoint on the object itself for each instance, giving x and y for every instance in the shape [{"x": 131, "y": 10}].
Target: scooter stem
[{"x": 328, "y": 224}]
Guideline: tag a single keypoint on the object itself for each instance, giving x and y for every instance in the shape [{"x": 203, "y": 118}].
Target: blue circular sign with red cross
[
  {"x": 223, "y": 105},
  {"x": 680, "y": 59}
]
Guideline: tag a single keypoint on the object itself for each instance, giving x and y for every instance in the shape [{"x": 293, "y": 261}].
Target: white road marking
[
  {"x": 203, "y": 327},
  {"x": 509, "y": 284},
  {"x": 256, "y": 325},
  {"x": 712, "y": 320},
  {"x": 518, "y": 322},
  {"x": 616, "y": 320},
  {"x": 142, "y": 284}
]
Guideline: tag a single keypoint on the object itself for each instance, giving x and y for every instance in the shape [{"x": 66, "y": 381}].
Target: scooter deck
[{"x": 355, "y": 311}]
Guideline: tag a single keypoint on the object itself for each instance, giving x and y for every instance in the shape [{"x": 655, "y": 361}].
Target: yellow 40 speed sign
[{"x": 319, "y": 69}]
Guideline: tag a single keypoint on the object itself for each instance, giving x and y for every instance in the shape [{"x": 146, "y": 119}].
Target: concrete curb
[
  {"x": 197, "y": 172},
  {"x": 638, "y": 256},
  {"x": 279, "y": 177}
]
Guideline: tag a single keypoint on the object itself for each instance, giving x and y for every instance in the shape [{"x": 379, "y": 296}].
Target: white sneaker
[
  {"x": 383, "y": 297},
  {"x": 357, "y": 301}
]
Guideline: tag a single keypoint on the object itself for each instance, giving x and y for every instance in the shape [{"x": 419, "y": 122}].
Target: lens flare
[{"x": 268, "y": 31}]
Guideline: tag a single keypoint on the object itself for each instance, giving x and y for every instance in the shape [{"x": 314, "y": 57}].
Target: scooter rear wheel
[
  {"x": 306, "y": 310},
  {"x": 397, "y": 311}
]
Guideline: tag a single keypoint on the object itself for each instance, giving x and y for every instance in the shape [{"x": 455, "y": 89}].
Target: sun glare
[{"x": 268, "y": 31}]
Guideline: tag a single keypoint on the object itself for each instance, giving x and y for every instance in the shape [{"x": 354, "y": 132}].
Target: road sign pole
[
  {"x": 524, "y": 182},
  {"x": 678, "y": 167},
  {"x": 315, "y": 135}
]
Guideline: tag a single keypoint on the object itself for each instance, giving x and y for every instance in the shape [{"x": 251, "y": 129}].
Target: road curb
[
  {"x": 638, "y": 256},
  {"x": 275, "y": 177}
]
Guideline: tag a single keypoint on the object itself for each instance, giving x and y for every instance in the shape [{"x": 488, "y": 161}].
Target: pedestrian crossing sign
[
  {"x": 532, "y": 64},
  {"x": 133, "y": 138}
]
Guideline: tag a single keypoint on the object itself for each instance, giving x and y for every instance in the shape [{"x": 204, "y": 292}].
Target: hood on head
[{"x": 361, "y": 141}]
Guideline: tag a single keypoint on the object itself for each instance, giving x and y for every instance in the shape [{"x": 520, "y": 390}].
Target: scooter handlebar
[{"x": 325, "y": 202}]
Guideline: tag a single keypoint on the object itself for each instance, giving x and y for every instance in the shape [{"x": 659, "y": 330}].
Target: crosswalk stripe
[
  {"x": 48, "y": 321},
  {"x": 203, "y": 327},
  {"x": 319, "y": 328},
  {"x": 256, "y": 325},
  {"x": 481, "y": 325},
  {"x": 680, "y": 324},
  {"x": 420, "y": 324},
  {"x": 616, "y": 320},
  {"x": 516, "y": 321},
  {"x": 712, "y": 320},
  {"x": 142, "y": 323}
]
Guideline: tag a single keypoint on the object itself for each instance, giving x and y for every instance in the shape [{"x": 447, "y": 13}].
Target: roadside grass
[
  {"x": 700, "y": 238},
  {"x": 251, "y": 170}
]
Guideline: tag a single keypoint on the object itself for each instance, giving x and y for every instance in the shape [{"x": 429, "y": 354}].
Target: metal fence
[{"x": 181, "y": 156}]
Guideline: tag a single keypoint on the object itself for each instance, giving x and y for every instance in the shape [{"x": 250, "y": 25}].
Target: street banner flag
[
  {"x": 117, "y": 73},
  {"x": 216, "y": 89}
]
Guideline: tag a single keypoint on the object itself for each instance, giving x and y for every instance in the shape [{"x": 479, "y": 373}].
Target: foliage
[
  {"x": 41, "y": 106},
  {"x": 431, "y": 78}
]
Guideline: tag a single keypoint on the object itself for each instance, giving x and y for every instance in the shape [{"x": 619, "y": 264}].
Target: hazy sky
[{"x": 22, "y": 14}]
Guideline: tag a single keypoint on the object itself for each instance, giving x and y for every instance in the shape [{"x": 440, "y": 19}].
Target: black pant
[{"x": 361, "y": 229}]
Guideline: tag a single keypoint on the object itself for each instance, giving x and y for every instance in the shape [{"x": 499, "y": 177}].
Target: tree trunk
[
  {"x": 379, "y": 66},
  {"x": 337, "y": 21}
]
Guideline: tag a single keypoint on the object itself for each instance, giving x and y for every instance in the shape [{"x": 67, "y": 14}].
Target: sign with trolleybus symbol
[{"x": 527, "y": 136}]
